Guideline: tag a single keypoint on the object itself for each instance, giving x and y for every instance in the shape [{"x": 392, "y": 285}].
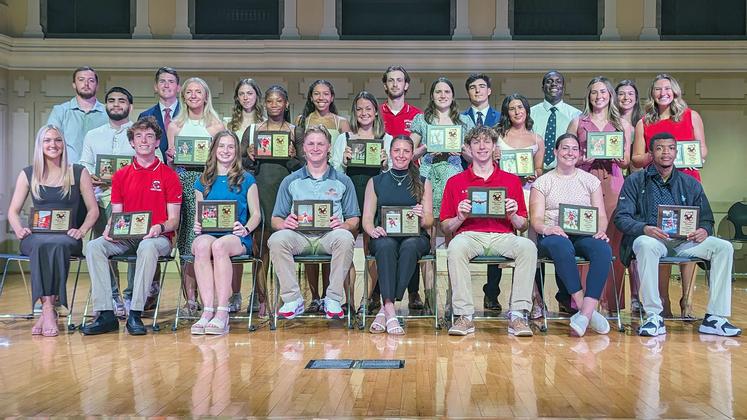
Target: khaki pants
[
  {"x": 286, "y": 243},
  {"x": 468, "y": 245}
]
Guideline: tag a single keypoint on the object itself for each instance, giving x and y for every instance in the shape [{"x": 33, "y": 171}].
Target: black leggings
[{"x": 397, "y": 261}]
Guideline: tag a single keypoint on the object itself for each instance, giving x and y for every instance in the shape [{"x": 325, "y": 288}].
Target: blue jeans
[{"x": 563, "y": 252}]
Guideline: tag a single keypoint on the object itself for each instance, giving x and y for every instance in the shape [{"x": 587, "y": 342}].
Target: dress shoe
[
  {"x": 374, "y": 304},
  {"x": 135, "y": 324},
  {"x": 414, "y": 301},
  {"x": 104, "y": 323},
  {"x": 566, "y": 307},
  {"x": 490, "y": 303}
]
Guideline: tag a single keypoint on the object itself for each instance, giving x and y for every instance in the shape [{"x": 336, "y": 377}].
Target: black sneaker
[
  {"x": 652, "y": 327},
  {"x": 718, "y": 325}
]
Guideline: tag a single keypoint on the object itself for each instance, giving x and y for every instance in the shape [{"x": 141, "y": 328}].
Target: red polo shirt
[
  {"x": 456, "y": 191},
  {"x": 398, "y": 124},
  {"x": 139, "y": 188}
]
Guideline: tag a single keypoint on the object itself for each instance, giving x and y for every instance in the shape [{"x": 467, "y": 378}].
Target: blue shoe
[{"x": 718, "y": 325}]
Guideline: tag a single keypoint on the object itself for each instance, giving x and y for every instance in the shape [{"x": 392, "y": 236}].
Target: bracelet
[{"x": 163, "y": 228}]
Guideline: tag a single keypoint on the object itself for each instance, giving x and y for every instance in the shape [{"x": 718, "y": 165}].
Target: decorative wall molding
[
  {"x": 735, "y": 88},
  {"x": 21, "y": 86},
  {"x": 313, "y": 56}
]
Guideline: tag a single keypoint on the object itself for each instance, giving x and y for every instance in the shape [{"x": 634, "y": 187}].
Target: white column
[
  {"x": 461, "y": 31},
  {"x": 181, "y": 20},
  {"x": 501, "y": 30},
  {"x": 33, "y": 28},
  {"x": 142, "y": 24},
  {"x": 649, "y": 32},
  {"x": 290, "y": 24},
  {"x": 329, "y": 26},
  {"x": 610, "y": 32}
]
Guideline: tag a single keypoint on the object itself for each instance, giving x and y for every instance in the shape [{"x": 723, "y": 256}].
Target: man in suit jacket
[
  {"x": 481, "y": 113},
  {"x": 167, "y": 89}
]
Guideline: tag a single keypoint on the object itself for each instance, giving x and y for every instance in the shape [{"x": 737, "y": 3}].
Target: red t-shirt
[
  {"x": 682, "y": 131},
  {"x": 147, "y": 189},
  {"x": 456, "y": 191},
  {"x": 399, "y": 124}
]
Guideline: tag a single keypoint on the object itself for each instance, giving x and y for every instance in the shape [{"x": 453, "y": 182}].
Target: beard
[
  {"x": 392, "y": 96},
  {"x": 85, "y": 95},
  {"x": 117, "y": 116}
]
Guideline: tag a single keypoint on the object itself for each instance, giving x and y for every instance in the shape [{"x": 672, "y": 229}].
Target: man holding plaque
[
  {"x": 637, "y": 216},
  {"x": 146, "y": 185},
  {"x": 316, "y": 184},
  {"x": 487, "y": 235}
]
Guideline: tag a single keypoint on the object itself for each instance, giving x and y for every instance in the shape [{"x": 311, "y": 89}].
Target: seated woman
[
  {"x": 567, "y": 184},
  {"x": 397, "y": 257},
  {"x": 54, "y": 184},
  {"x": 223, "y": 179}
]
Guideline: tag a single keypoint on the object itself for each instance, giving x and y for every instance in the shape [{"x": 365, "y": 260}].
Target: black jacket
[{"x": 634, "y": 205}]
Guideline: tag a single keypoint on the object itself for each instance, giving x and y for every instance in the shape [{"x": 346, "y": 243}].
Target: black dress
[
  {"x": 49, "y": 253},
  {"x": 396, "y": 257}
]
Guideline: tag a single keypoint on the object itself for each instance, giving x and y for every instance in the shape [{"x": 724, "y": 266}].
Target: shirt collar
[
  {"x": 163, "y": 106},
  {"x": 328, "y": 174},
  {"x": 548, "y": 105},
  {"x": 385, "y": 107},
  {"x": 484, "y": 111},
  {"x": 97, "y": 107},
  {"x": 151, "y": 168},
  {"x": 474, "y": 177},
  {"x": 652, "y": 173}
]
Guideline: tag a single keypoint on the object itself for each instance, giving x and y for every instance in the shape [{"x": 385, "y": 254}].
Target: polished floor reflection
[{"x": 680, "y": 375}]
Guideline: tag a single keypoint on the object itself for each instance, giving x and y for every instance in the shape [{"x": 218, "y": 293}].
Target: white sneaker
[
  {"x": 333, "y": 309},
  {"x": 718, "y": 325},
  {"x": 291, "y": 309},
  {"x": 599, "y": 323}
]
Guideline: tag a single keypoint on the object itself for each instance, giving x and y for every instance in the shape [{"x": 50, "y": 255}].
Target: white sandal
[
  {"x": 395, "y": 329},
  {"x": 378, "y": 327},
  {"x": 198, "y": 328},
  {"x": 217, "y": 326}
]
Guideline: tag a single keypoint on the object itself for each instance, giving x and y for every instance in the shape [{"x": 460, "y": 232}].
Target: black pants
[{"x": 397, "y": 261}]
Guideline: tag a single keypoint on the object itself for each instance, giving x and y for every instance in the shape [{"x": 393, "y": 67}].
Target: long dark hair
[
  {"x": 236, "y": 116},
  {"x": 378, "y": 125},
  {"x": 309, "y": 106},
  {"x": 235, "y": 172},
  {"x": 282, "y": 92},
  {"x": 430, "y": 111},
  {"x": 637, "y": 107},
  {"x": 416, "y": 187},
  {"x": 505, "y": 122}
]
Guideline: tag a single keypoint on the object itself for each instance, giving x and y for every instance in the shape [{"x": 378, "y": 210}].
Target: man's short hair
[
  {"x": 476, "y": 76},
  {"x": 85, "y": 68},
  {"x": 121, "y": 90},
  {"x": 481, "y": 131},
  {"x": 659, "y": 136},
  {"x": 318, "y": 129},
  {"x": 169, "y": 70},
  {"x": 144, "y": 124},
  {"x": 549, "y": 72},
  {"x": 395, "y": 68}
]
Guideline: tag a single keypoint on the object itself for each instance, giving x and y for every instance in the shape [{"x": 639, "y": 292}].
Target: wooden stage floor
[{"x": 680, "y": 375}]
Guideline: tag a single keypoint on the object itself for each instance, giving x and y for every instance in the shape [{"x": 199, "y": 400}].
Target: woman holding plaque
[
  {"x": 269, "y": 173},
  {"x": 200, "y": 121},
  {"x": 223, "y": 179},
  {"x": 666, "y": 112},
  {"x": 442, "y": 110},
  {"x": 568, "y": 184},
  {"x": 515, "y": 133},
  {"x": 601, "y": 114},
  {"x": 320, "y": 109},
  {"x": 54, "y": 185},
  {"x": 396, "y": 255}
]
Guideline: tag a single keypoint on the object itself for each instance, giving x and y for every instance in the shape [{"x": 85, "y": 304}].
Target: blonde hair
[
  {"x": 613, "y": 112},
  {"x": 39, "y": 171},
  {"x": 208, "y": 113},
  {"x": 676, "y": 108}
]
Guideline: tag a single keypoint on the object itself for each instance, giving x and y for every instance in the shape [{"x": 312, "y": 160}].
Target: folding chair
[
  {"x": 130, "y": 260},
  {"x": 704, "y": 264},
  {"x": 503, "y": 262},
  {"x": 236, "y": 260},
  {"x": 431, "y": 295},
  {"x": 306, "y": 259},
  {"x": 579, "y": 262},
  {"x": 19, "y": 258}
]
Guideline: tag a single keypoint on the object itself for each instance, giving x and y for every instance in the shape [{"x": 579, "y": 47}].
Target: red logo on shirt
[{"x": 155, "y": 186}]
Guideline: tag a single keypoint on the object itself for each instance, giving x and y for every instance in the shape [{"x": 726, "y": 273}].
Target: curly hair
[
  {"x": 613, "y": 112},
  {"x": 677, "y": 107}
]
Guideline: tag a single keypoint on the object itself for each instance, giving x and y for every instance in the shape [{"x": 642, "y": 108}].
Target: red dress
[{"x": 682, "y": 131}]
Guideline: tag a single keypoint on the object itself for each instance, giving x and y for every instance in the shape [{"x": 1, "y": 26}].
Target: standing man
[
  {"x": 660, "y": 184},
  {"x": 317, "y": 180},
  {"x": 167, "y": 89},
  {"x": 111, "y": 139},
  {"x": 146, "y": 184},
  {"x": 397, "y": 115},
  {"x": 487, "y": 236},
  {"x": 80, "y": 114},
  {"x": 481, "y": 113},
  {"x": 551, "y": 118}
]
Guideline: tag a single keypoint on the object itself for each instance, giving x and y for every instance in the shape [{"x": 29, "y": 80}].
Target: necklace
[
  {"x": 398, "y": 178},
  {"x": 267, "y": 125}
]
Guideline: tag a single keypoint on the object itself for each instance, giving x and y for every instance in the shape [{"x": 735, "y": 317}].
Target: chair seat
[
  {"x": 323, "y": 258},
  {"x": 19, "y": 257},
  {"x": 491, "y": 259},
  {"x": 579, "y": 260},
  {"x": 133, "y": 258},
  {"x": 238, "y": 259},
  {"x": 424, "y": 258}
]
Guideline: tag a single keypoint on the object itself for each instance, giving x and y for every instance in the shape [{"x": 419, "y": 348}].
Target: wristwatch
[{"x": 163, "y": 228}]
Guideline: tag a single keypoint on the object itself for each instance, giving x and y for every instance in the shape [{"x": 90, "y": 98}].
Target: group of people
[{"x": 435, "y": 185}]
